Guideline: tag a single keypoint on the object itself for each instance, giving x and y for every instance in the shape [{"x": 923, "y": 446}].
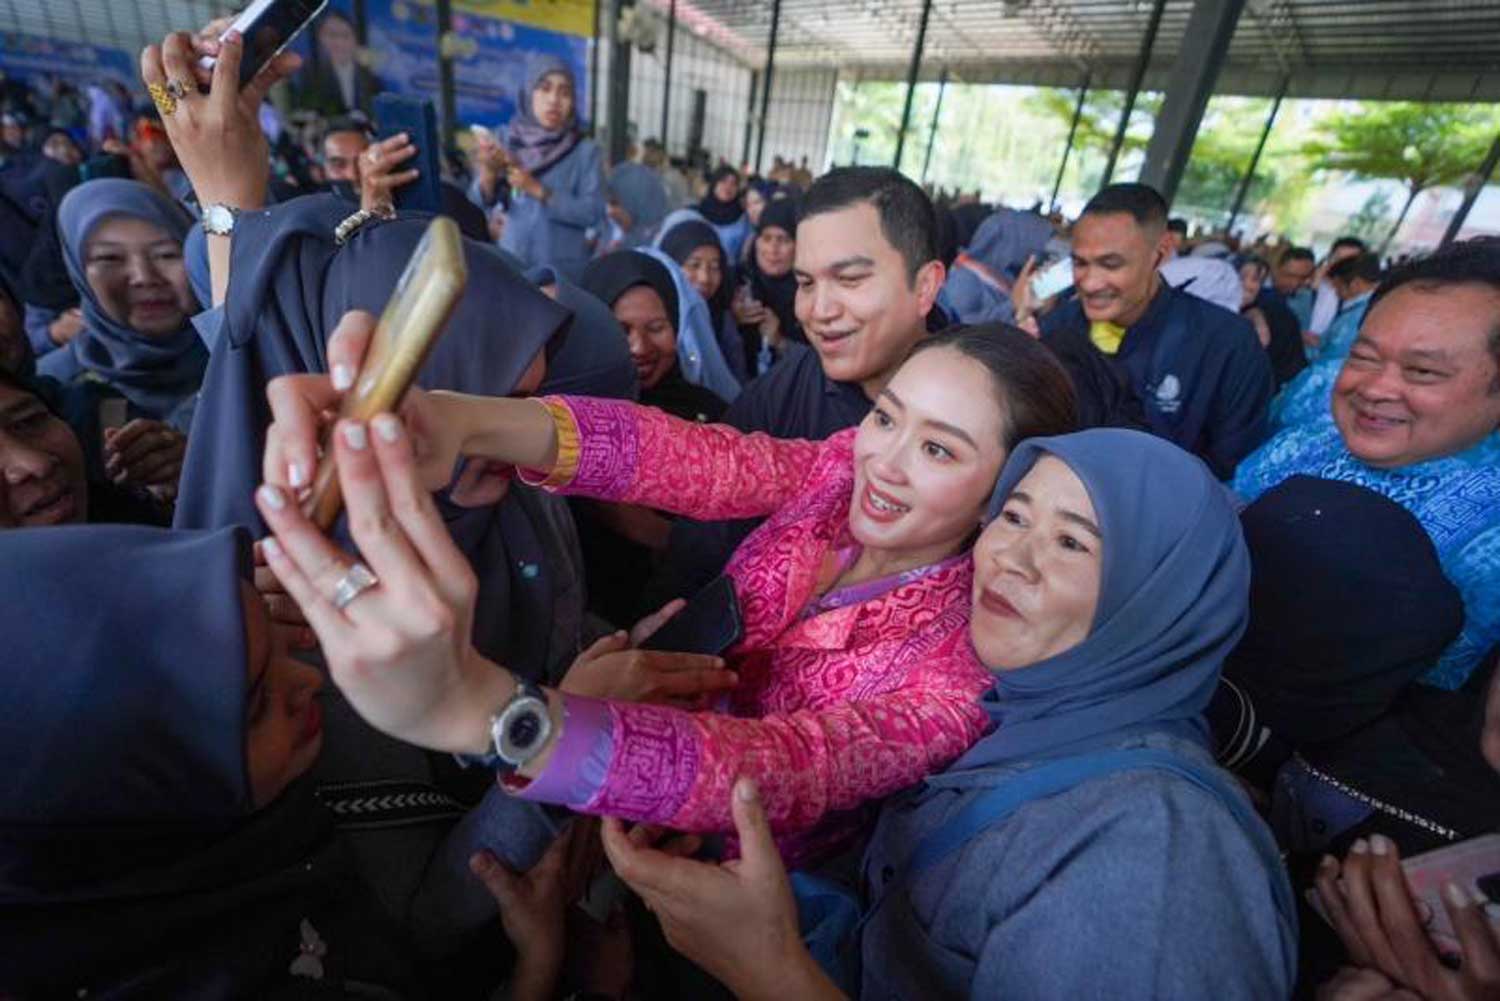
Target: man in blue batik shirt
[{"x": 1415, "y": 416}]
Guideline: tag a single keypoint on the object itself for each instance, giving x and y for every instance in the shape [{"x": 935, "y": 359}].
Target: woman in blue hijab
[
  {"x": 292, "y": 285},
  {"x": 153, "y": 836},
  {"x": 123, "y": 246},
  {"x": 980, "y": 280},
  {"x": 1088, "y": 847},
  {"x": 556, "y": 176}
]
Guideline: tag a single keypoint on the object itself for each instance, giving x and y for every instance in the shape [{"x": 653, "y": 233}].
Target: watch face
[
  {"x": 524, "y": 727},
  {"x": 218, "y": 219}
]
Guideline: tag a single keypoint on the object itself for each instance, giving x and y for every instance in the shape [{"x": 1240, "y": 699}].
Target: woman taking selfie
[
  {"x": 855, "y": 673},
  {"x": 1087, "y": 847}
]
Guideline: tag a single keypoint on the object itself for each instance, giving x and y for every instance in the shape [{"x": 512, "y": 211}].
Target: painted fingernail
[
  {"x": 296, "y": 475},
  {"x": 1456, "y": 895},
  {"x": 1380, "y": 844},
  {"x": 272, "y": 498},
  {"x": 744, "y": 790},
  {"x": 343, "y": 377},
  {"x": 355, "y": 437},
  {"x": 1328, "y": 862},
  {"x": 270, "y": 547},
  {"x": 1360, "y": 847},
  {"x": 1479, "y": 897},
  {"x": 387, "y": 426}
]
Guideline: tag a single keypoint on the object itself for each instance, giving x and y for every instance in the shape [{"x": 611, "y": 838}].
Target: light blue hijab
[
  {"x": 156, "y": 374},
  {"x": 1173, "y": 602}
]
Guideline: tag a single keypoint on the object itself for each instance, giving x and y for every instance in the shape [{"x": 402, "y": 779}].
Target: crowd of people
[{"x": 1133, "y": 640}]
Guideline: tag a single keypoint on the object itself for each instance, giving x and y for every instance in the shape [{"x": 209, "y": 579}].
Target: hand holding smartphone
[
  {"x": 1052, "y": 279},
  {"x": 268, "y": 27},
  {"x": 396, "y": 114},
  {"x": 419, "y": 308}
]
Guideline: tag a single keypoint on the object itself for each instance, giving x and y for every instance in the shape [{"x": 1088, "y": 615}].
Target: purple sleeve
[{"x": 580, "y": 763}]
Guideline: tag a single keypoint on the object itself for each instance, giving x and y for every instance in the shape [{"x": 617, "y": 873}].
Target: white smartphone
[
  {"x": 1052, "y": 279},
  {"x": 268, "y": 27}
]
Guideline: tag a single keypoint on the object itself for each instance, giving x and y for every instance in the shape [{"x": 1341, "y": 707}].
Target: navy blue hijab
[
  {"x": 156, "y": 374},
  {"x": 291, "y": 286},
  {"x": 1173, "y": 602},
  {"x": 130, "y": 853}
]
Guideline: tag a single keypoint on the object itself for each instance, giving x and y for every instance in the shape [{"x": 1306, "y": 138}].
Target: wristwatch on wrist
[
  {"x": 219, "y": 219},
  {"x": 518, "y": 732}
]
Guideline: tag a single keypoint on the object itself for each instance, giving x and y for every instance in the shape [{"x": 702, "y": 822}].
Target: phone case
[
  {"x": 1473, "y": 865},
  {"x": 395, "y": 113},
  {"x": 709, "y": 624},
  {"x": 418, "y": 310}
]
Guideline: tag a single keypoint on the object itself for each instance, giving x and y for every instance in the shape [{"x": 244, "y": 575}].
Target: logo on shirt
[{"x": 1168, "y": 394}]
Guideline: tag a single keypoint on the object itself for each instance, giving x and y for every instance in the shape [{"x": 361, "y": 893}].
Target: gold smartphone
[{"x": 416, "y": 314}]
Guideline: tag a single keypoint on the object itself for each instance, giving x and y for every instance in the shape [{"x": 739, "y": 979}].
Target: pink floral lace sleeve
[
  {"x": 674, "y": 767},
  {"x": 626, "y": 452}
]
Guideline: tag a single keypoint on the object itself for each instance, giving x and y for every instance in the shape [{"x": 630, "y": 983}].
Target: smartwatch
[{"x": 518, "y": 732}]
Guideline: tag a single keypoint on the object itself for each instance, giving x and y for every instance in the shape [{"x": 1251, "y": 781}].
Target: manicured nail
[
  {"x": 343, "y": 377},
  {"x": 1380, "y": 844},
  {"x": 744, "y": 790},
  {"x": 355, "y": 437},
  {"x": 1456, "y": 895},
  {"x": 272, "y": 498},
  {"x": 232, "y": 35},
  {"x": 296, "y": 475},
  {"x": 1478, "y": 895},
  {"x": 270, "y": 547},
  {"x": 1360, "y": 847},
  {"x": 1328, "y": 862},
  {"x": 387, "y": 426}
]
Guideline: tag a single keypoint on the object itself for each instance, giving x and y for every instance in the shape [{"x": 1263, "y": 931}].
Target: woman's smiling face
[{"x": 1037, "y": 570}]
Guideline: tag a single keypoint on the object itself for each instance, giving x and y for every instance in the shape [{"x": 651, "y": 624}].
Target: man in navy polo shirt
[{"x": 1198, "y": 369}]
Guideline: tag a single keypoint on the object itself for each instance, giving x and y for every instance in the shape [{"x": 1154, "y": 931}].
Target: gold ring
[
  {"x": 178, "y": 89},
  {"x": 162, "y": 98}
]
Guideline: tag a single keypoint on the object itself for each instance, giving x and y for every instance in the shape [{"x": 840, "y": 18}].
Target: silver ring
[{"x": 356, "y": 581}]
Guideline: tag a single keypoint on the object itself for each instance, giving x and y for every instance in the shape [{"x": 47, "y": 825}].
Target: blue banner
[
  {"x": 40, "y": 60},
  {"x": 489, "y": 67}
]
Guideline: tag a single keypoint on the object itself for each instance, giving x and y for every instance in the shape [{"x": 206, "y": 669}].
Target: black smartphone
[
  {"x": 268, "y": 26},
  {"x": 710, "y": 623},
  {"x": 396, "y": 113}
]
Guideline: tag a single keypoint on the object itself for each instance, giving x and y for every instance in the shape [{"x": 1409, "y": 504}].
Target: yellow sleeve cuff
[{"x": 568, "y": 449}]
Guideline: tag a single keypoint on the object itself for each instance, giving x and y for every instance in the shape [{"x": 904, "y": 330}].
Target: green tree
[{"x": 1421, "y": 145}]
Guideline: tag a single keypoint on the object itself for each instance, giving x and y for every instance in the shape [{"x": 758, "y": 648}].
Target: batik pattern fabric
[
  {"x": 1307, "y": 399},
  {"x": 832, "y": 712},
  {"x": 1456, "y": 498}
]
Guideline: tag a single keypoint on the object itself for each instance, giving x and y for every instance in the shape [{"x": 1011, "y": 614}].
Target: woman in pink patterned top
[{"x": 856, "y": 673}]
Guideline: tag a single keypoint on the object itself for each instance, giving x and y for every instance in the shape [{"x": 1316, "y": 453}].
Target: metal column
[
  {"x": 619, "y": 83},
  {"x": 666, "y": 87},
  {"x": 1142, "y": 62},
  {"x": 1472, "y": 187},
  {"x": 1083, "y": 92},
  {"x": 765, "y": 82},
  {"x": 594, "y": 116},
  {"x": 1210, "y": 26},
  {"x": 937, "y": 114},
  {"x": 911, "y": 81},
  {"x": 1260, "y": 147},
  {"x": 447, "y": 100},
  {"x": 750, "y": 116},
  {"x": 361, "y": 22}
]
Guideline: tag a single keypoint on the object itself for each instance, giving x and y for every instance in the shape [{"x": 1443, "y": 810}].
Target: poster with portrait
[{"x": 494, "y": 39}]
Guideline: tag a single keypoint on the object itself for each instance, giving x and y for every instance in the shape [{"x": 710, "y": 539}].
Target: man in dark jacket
[{"x": 1199, "y": 370}]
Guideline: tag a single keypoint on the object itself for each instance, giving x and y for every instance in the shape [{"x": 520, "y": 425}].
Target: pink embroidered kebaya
[{"x": 834, "y": 709}]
